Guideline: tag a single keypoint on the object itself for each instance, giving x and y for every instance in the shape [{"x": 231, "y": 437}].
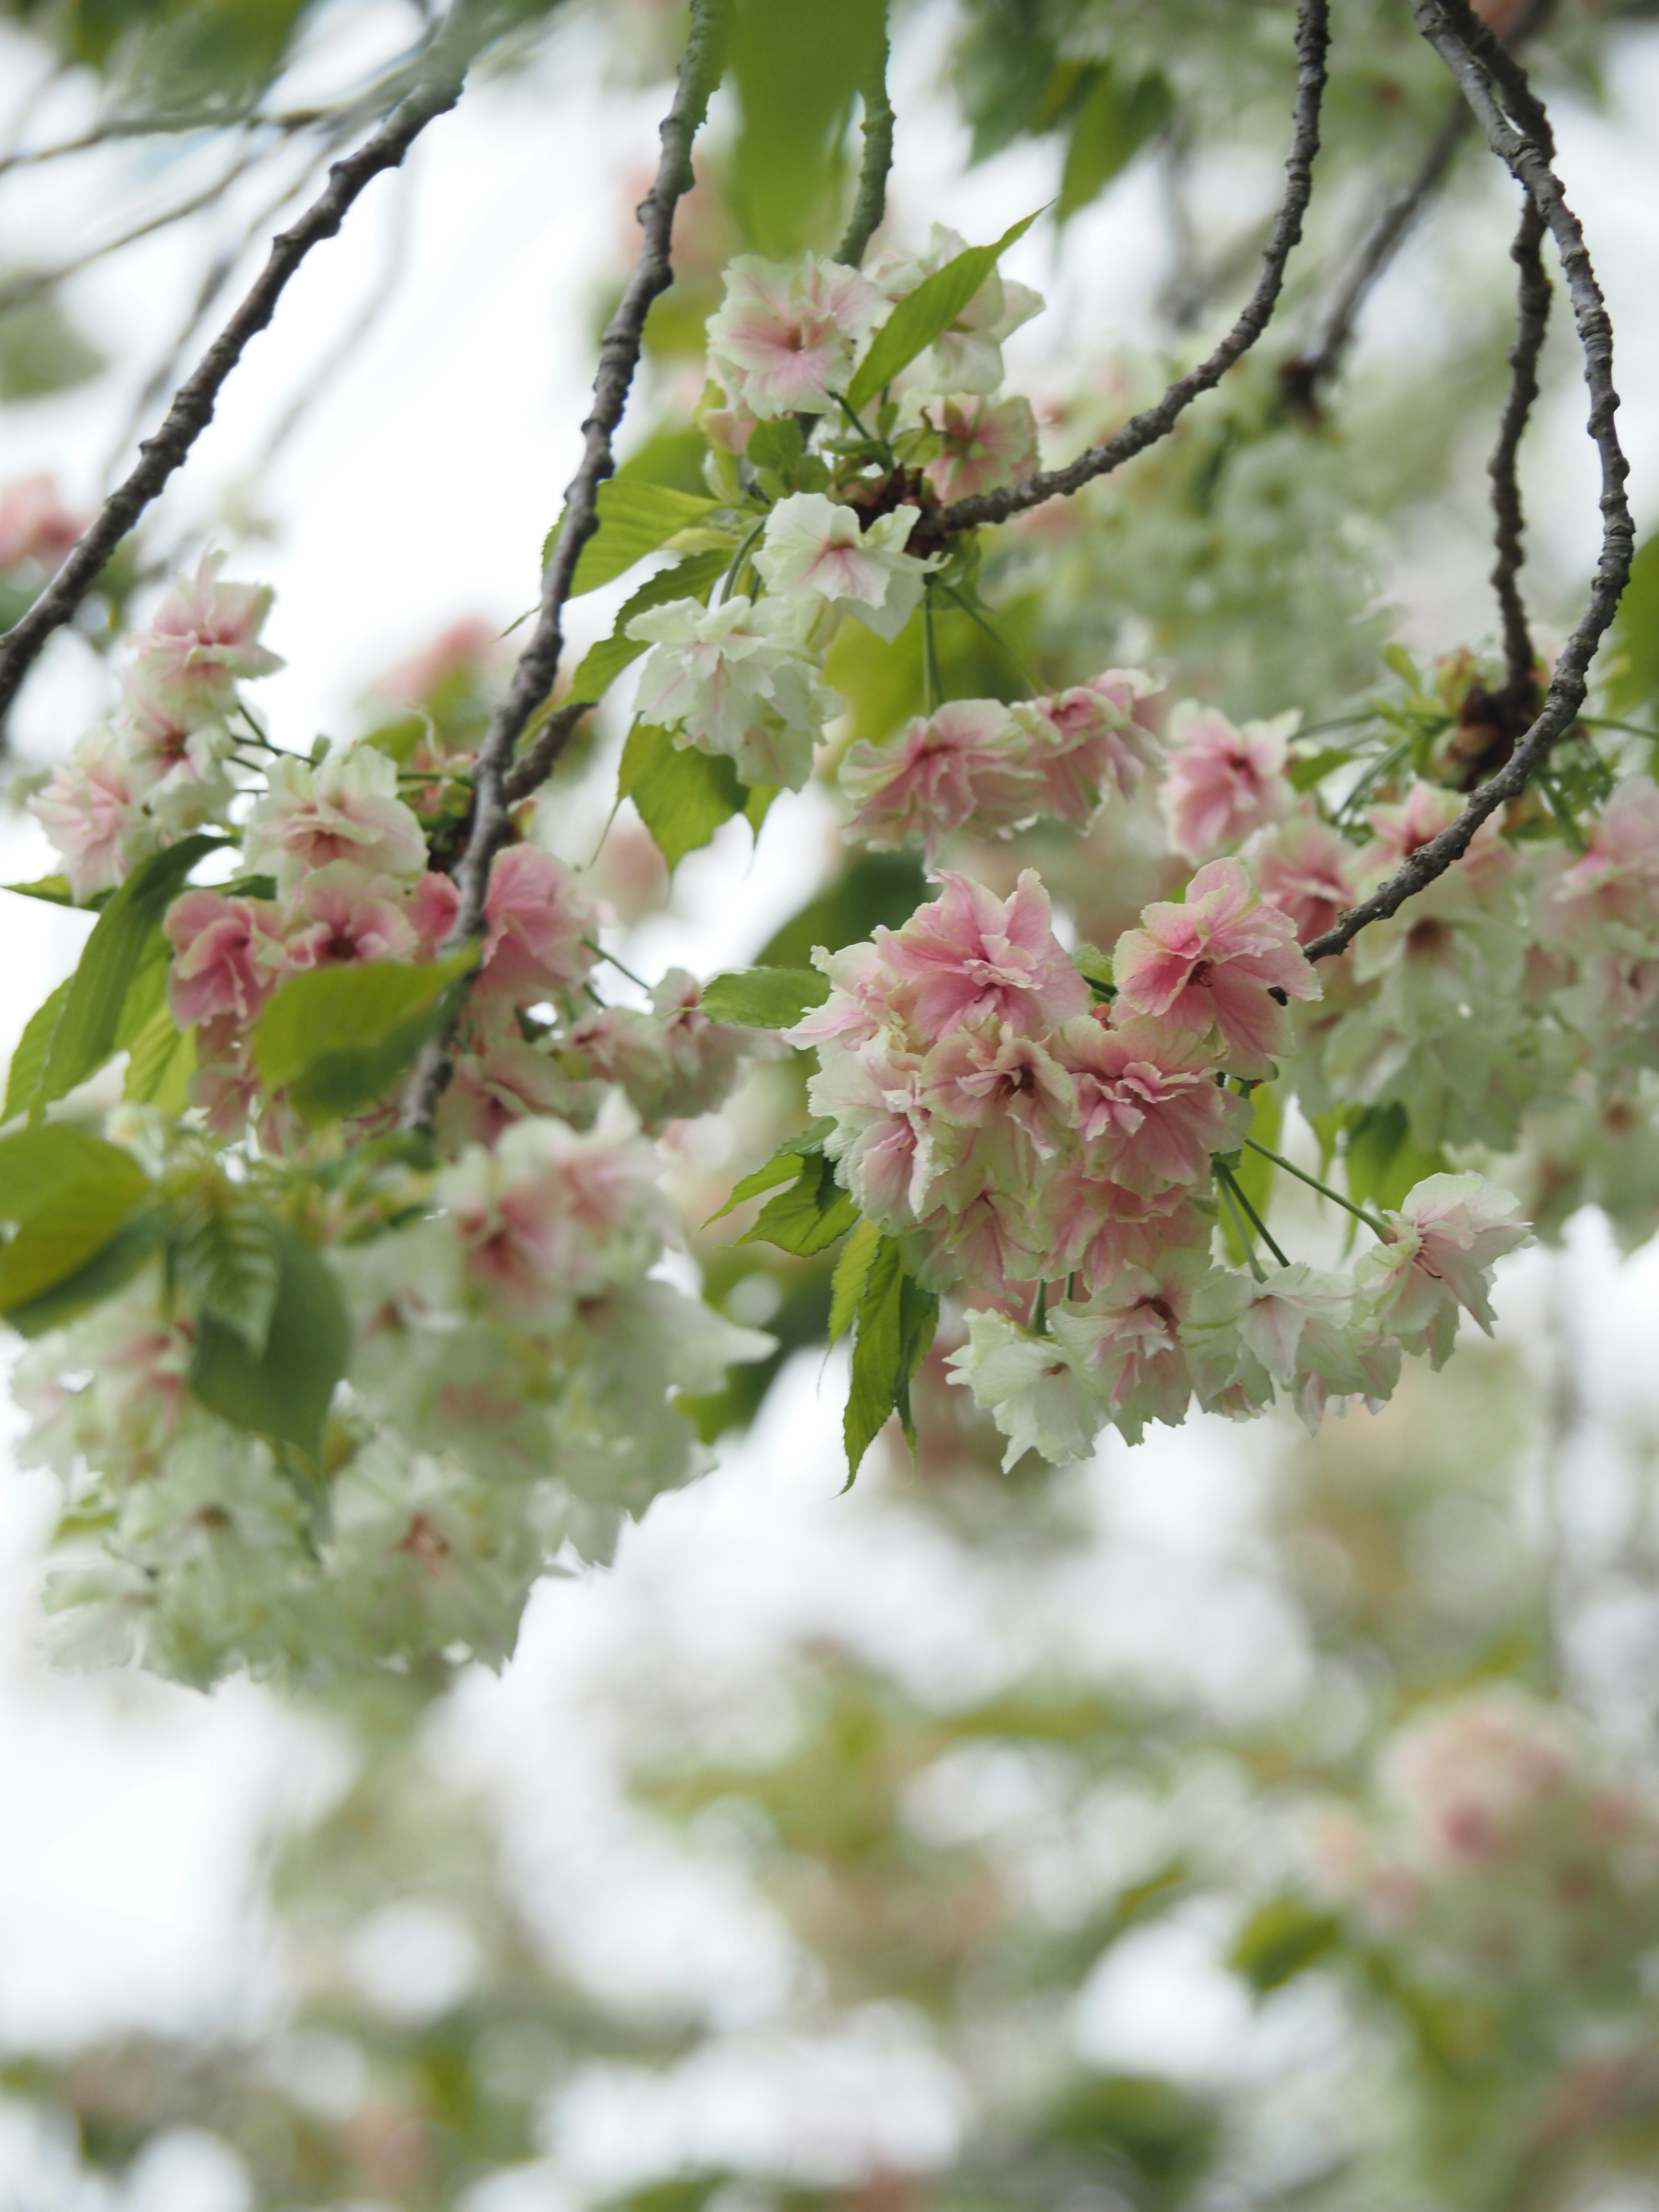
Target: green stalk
[{"x": 1323, "y": 1189}]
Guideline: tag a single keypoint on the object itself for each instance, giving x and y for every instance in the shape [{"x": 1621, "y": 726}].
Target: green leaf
[
  {"x": 337, "y": 1039},
  {"x": 1634, "y": 677},
  {"x": 926, "y": 313},
  {"x": 808, "y": 1217},
  {"x": 683, "y": 795},
  {"x": 635, "y": 517},
  {"x": 674, "y": 458},
  {"x": 852, "y": 1272},
  {"x": 1109, "y": 125},
  {"x": 224, "y": 1256},
  {"x": 874, "y": 889},
  {"x": 68, "y": 1192},
  {"x": 784, "y": 1163},
  {"x": 894, "y": 1323},
  {"x": 29, "y": 1062},
  {"x": 110, "y": 1268},
  {"x": 1094, "y": 966},
  {"x": 1313, "y": 767},
  {"x": 1381, "y": 1160},
  {"x": 284, "y": 1392},
  {"x": 777, "y": 446},
  {"x": 55, "y": 889},
  {"x": 160, "y": 1063},
  {"x": 125, "y": 949},
  {"x": 1282, "y": 1938},
  {"x": 764, "y": 997},
  {"x": 1396, "y": 658},
  {"x": 795, "y": 69},
  {"x": 602, "y": 664}
]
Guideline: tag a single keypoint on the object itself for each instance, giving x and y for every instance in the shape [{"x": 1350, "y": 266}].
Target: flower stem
[
  {"x": 738, "y": 560},
  {"x": 1230, "y": 1192},
  {"x": 1323, "y": 1189},
  {"x": 600, "y": 950},
  {"x": 930, "y": 683}
]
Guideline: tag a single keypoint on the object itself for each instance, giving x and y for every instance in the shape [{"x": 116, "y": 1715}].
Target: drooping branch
[
  {"x": 494, "y": 787},
  {"x": 1531, "y": 319},
  {"x": 1517, "y": 130},
  {"x": 1144, "y": 429},
  {"x": 871, "y": 203},
  {"x": 437, "y": 91}
]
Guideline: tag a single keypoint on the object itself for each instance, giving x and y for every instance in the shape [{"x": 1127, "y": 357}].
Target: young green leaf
[
  {"x": 336, "y": 1039},
  {"x": 894, "y": 1323},
  {"x": 68, "y": 1192},
  {"x": 809, "y": 1216},
  {"x": 1282, "y": 1938},
  {"x": 284, "y": 1391},
  {"x": 29, "y": 1062},
  {"x": 1109, "y": 127},
  {"x": 694, "y": 578},
  {"x": 224, "y": 1256},
  {"x": 126, "y": 949},
  {"x": 764, "y": 997},
  {"x": 634, "y": 519},
  {"x": 852, "y": 1272},
  {"x": 683, "y": 795},
  {"x": 784, "y": 1165},
  {"x": 110, "y": 1268},
  {"x": 926, "y": 314},
  {"x": 161, "y": 1061},
  {"x": 55, "y": 889},
  {"x": 1382, "y": 1160}
]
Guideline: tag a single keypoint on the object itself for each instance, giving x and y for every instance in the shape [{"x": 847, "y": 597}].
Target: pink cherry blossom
[
  {"x": 815, "y": 548},
  {"x": 971, "y": 957},
  {"x": 1127, "y": 1343},
  {"x": 206, "y": 634},
  {"x": 1616, "y": 877},
  {"x": 991, "y": 1078},
  {"x": 1443, "y": 1245},
  {"x": 987, "y": 444},
  {"x": 433, "y": 905},
  {"x": 35, "y": 524},
  {"x": 1223, "y": 782},
  {"x": 1402, "y": 827},
  {"x": 342, "y": 914},
  {"x": 1209, "y": 965},
  {"x": 1091, "y": 735},
  {"x": 963, "y": 766},
  {"x": 1304, "y": 869},
  {"x": 93, "y": 811},
  {"x": 346, "y": 809},
  {"x": 1148, "y": 1110},
  {"x": 460, "y": 650},
  {"x": 1093, "y": 1228},
  {"x": 783, "y": 338},
  {"x": 538, "y": 921},
  {"x": 226, "y": 957}
]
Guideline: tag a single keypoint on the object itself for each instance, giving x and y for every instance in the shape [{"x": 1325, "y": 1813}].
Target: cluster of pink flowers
[
  {"x": 978, "y": 766},
  {"x": 1500, "y": 1850}
]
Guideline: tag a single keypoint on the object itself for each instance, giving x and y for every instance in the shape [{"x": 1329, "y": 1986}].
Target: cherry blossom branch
[
  {"x": 1532, "y": 318},
  {"x": 536, "y": 763},
  {"x": 1517, "y": 130},
  {"x": 1312, "y": 40},
  {"x": 495, "y": 786},
  {"x": 436, "y": 92},
  {"x": 871, "y": 203}
]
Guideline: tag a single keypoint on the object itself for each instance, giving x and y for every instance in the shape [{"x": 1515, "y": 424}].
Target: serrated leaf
[
  {"x": 124, "y": 950},
  {"x": 1282, "y": 1938},
  {"x": 224, "y": 1260},
  {"x": 68, "y": 1191},
  {"x": 285, "y": 1391},
  {"x": 777, "y": 445},
  {"x": 926, "y": 313},
  {"x": 894, "y": 1325},
  {"x": 161, "y": 1061},
  {"x": 635, "y": 517},
  {"x": 683, "y": 795},
  {"x": 337, "y": 1039},
  {"x": 852, "y": 1272},
  {"x": 602, "y": 664},
  {"x": 764, "y": 997},
  {"x": 810, "y": 1216},
  {"x": 784, "y": 1165},
  {"x": 29, "y": 1062}
]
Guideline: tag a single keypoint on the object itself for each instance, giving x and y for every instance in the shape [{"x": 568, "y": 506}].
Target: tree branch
[
  {"x": 871, "y": 203},
  {"x": 191, "y": 410},
  {"x": 1517, "y": 130},
  {"x": 1312, "y": 40},
  {"x": 1532, "y": 317},
  {"x": 493, "y": 781},
  {"x": 536, "y": 763}
]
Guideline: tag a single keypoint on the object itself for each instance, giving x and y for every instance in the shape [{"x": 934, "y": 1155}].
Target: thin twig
[
  {"x": 1531, "y": 317},
  {"x": 1312, "y": 40},
  {"x": 871, "y": 203},
  {"x": 533, "y": 680},
  {"x": 536, "y": 763},
  {"x": 1517, "y": 130},
  {"x": 191, "y": 410}
]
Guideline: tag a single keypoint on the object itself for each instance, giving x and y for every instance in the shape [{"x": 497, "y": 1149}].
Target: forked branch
[
  {"x": 871, "y": 203},
  {"x": 1517, "y": 130},
  {"x": 1531, "y": 319},
  {"x": 1312, "y": 41}
]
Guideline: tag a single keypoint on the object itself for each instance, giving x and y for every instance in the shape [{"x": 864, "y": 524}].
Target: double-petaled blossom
[
  {"x": 1148, "y": 1108},
  {"x": 1304, "y": 868},
  {"x": 1444, "y": 1244},
  {"x": 205, "y": 634},
  {"x": 783, "y": 340},
  {"x": 346, "y": 808},
  {"x": 228, "y": 956},
  {"x": 1127, "y": 1343},
  {"x": 1030, "y": 1385},
  {"x": 671, "y": 1064},
  {"x": 971, "y": 957},
  {"x": 539, "y": 927},
  {"x": 93, "y": 810},
  {"x": 739, "y": 679},
  {"x": 1212, "y": 966},
  {"x": 1615, "y": 880},
  {"x": 984, "y": 445},
  {"x": 820, "y": 554},
  {"x": 341, "y": 915},
  {"x": 961, "y": 768},
  {"x": 1088, "y": 737},
  {"x": 1224, "y": 782}
]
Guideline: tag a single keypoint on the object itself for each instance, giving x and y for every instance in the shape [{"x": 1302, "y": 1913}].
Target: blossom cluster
[
  {"x": 1018, "y": 1138},
  {"x": 1500, "y": 1851}
]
